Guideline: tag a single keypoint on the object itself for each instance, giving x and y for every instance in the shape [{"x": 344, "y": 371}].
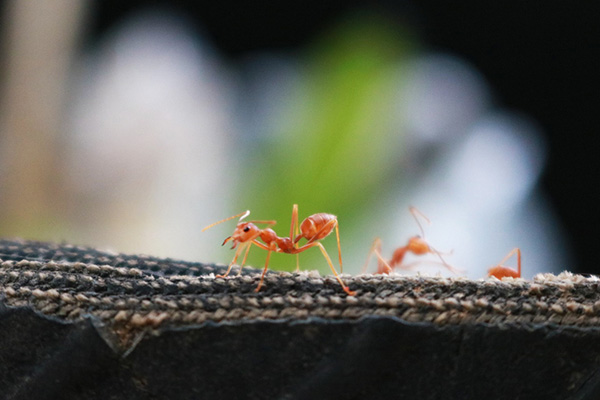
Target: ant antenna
[
  {"x": 414, "y": 211},
  {"x": 241, "y": 215}
]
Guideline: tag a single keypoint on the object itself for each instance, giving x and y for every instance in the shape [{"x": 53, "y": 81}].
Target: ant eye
[{"x": 246, "y": 229}]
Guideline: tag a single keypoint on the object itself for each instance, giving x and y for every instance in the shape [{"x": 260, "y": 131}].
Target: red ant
[
  {"x": 416, "y": 245},
  {"x": 314, "y": 228},
  {"x": 500, "y": 271}
]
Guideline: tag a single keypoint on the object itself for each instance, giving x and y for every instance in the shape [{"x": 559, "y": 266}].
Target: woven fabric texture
[
  {"x": 129, "y": 293},
  {"x": 76, "y": 323}
]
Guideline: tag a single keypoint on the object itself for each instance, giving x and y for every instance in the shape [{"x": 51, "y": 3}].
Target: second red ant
[
  {"x": 500, "y": 271},
  {"x": 416, "y": 245},
  {"x": 314, "y": 229}
]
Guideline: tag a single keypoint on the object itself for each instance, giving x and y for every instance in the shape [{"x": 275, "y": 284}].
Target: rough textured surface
[{"x": 80, "y": 323}]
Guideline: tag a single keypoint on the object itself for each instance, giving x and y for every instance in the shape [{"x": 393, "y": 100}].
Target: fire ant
[
  {"x": 314, "y": 228},
  {"x": 500, "y": 271},
  {"x": 416, "y": 245}
]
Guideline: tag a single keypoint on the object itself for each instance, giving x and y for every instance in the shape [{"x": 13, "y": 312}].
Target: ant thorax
[
  {"x": 418, "y": 245},
  {"x": 269, "y": 236}
]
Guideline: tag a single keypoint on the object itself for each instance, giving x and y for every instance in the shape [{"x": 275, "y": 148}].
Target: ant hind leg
[
  {"x": 346, "y": 288},
  {"x": 337, "y": 235}
]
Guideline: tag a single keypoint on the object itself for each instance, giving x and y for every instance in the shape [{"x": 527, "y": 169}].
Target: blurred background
[{"x": 129, "y": 126}]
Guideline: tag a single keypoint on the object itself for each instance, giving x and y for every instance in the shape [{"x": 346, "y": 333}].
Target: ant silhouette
[
  {"x": 416, "y": 245},
  {"x": 500, "y": 271},
  {"x": 314, "y": 229}
]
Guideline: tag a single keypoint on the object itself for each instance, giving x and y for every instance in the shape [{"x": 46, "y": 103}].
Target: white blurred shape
[
  {"x": 441, "y": 97},
  {"x": 151, "y": 137},
  {"x": 481, "y": 199},
  {"x": 497, "y": 165}
]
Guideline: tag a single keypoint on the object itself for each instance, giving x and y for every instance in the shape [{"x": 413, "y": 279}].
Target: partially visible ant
[
  {"x": 416, "y": 245},
  {"x": 500, "y": 271},
  {"x": 314, "y": 228}
]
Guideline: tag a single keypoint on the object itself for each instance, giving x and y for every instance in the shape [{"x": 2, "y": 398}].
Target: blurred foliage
[{"x": 336, "y": 149}]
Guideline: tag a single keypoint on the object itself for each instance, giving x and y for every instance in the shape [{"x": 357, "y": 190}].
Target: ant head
[
  {"x": 244, "y": 232},
  {"x": 418, "y": 245}
]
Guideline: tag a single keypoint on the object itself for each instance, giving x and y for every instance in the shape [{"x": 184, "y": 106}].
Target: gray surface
[{"x": 78, "y": 323}]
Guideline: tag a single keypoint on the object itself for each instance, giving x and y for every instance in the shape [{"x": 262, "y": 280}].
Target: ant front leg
[
  {"x": 245, "y": 257},
  {"x": 237, "y": 254}
]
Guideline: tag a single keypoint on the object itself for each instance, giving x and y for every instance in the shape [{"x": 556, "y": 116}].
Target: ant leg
[
  {"x": 312, "y": 240},
  {"x": 346, "y": 289},
  {"x": 297, "y": 232},
  {"x": 415, "y": 212},
  {"x": 262, "y": 276},
  {"x": 412, "y": 265},
  {"x": 245, "y": 257},
  {"x": 259, "y": 244},
  {"x": 376, "y": 245},
  {"x": 513, "y": 251},
  {"x": 294, "y": 220},
  {"x": 294, "y": 231},
  {"x": 337, "y": 235},
  {"x": 448, "y": 266},
  {"x": 237, "y": 254},
  {"x": 382, "y": 263},
  {"x": 326, "y": 227},
  {"x": 308, "y": 246},
  {"x": 445, "y": 253}
]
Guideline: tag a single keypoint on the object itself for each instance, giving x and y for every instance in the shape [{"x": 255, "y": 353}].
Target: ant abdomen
[{"x": 312, "y": 227}]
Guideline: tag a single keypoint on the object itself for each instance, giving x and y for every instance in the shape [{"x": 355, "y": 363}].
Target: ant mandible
[
  {"x": 314, "y": 228},
  {"x": 416, "y": 245},
  {"x": 500, "y": 271}
]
